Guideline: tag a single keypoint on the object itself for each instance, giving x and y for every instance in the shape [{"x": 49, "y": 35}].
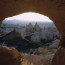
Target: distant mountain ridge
[{"x": 24, "y": 23}]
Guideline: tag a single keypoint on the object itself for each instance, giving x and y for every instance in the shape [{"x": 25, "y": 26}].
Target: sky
[{"x": 30, "y": 16}]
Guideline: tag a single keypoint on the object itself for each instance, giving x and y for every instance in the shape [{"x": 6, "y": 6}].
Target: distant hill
[{"x": 24, "y": 23}]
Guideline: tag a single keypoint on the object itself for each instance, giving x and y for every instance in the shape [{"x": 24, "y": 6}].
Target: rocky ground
[
  {"x": 14, "y": 39},
  {"x": 35, "y": 60},
  {"x": 10, "y": 56},
  {"x": 27, "y": 53}
]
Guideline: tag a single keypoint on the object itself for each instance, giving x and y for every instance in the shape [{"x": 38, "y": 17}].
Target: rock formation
[
  {"x": 59, "y": 58},
  {"x": 35, "y": 60},
  {"x": 37, "y": 28},
  {"x": 14, "y": 39},
  {"x": 9, "y": 56},
  {"x": 29, "y": 28},
  {"x": 54, "y": 9}
]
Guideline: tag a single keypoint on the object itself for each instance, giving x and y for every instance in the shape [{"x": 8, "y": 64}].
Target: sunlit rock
[
  {"x": 35, "y": 60},
  {"x": 43, "y": 51}
]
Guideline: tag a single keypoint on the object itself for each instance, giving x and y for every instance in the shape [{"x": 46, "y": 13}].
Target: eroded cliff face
[{"x": 55, "y": 9}]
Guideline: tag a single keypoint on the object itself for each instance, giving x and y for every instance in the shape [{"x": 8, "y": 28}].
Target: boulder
[{"x": 9, "y": 56}]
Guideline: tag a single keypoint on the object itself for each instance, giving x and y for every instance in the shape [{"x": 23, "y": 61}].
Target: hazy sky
[{"x": 30, "y": 16}]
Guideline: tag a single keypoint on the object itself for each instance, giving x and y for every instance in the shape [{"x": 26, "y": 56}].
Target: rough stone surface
[
  {"x": 35, "y": 60},
  {"x": 59, "y": 58},
  {"x": 9, "y": 56}
]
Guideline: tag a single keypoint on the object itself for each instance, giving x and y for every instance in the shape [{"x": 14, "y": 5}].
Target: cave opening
[{"x": 31, "y": 33}]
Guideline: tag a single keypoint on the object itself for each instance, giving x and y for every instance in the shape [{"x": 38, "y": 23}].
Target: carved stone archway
[{"x": 54, "y": 9}]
